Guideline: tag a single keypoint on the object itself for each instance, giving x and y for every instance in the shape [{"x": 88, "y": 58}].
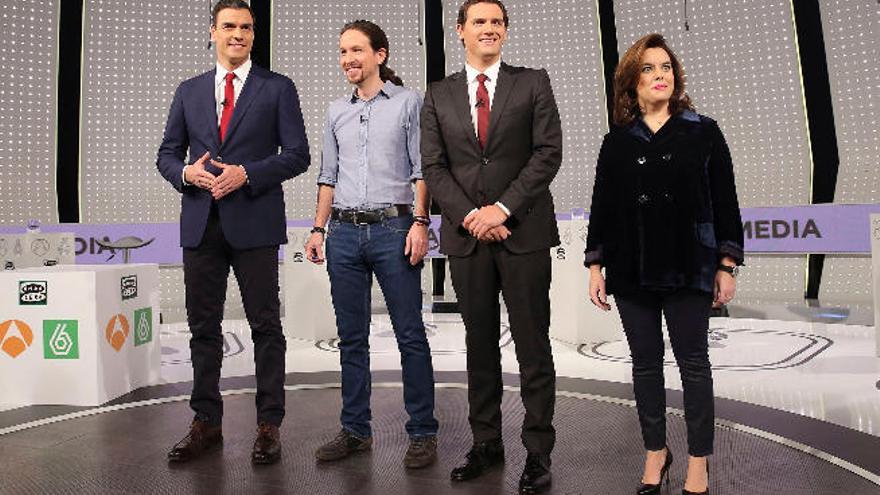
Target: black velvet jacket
[{"x": 664, "y": 206}]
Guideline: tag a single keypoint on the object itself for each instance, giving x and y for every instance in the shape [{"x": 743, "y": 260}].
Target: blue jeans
[{"x": 354, "y": 253}]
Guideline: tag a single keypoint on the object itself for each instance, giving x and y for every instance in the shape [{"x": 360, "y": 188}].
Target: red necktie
[
  {"x": 228, "y": 104},
  {"x": 482, "y": 110}
]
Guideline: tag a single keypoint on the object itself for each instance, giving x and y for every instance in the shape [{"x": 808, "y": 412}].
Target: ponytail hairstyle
[{"x": 378, "y": 41}]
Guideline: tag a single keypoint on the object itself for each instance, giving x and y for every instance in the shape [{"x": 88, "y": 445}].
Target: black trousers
[
  {"x": 687, "y": 321},
  {"x": 524, "y": 282},
  {"x": 205, "y": 271}
]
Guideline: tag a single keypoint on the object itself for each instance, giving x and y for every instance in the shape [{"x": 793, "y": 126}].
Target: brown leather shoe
[
  {"x": 201, "y": 438},
  {"x": 344, "y": 445},
  {"x": 267, "y": 446},
  {"x": 422, "y": 452}
]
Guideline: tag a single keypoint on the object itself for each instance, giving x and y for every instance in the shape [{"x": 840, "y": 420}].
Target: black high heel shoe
[
  {"x": 651, "y": 489},
  {"x": 688, "y": 492}
]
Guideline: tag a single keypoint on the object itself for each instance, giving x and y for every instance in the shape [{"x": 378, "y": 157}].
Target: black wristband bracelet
[
  {"x": 426, "y": 221},
  {"x": 319, "y": 230}
]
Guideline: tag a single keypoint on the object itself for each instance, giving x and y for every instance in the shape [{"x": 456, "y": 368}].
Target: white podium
[
  {"x": 573, "y": 318},
  {"x": 875, "y": 261},
  {"x": 308, "y": 308},
  {"x": 78, "y": 334}
]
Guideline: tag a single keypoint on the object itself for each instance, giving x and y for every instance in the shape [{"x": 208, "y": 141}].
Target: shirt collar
[
  {"x": 241, "y": 72},
  {"x": 491, "y": 72},
  {"x": 389, "y": 89}
]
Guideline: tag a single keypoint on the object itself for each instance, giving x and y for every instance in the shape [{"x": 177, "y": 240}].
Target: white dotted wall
[
  {"x": 852, "y": 34},
  {"x": 136, "y": 52},
  {"x": 573, "y": 59},
  {"x": 305, "y": 47},
  {"x": 741, "y": 62},
  {"x": 852, "y": 37},
  {"x": 28, "y": 62}
]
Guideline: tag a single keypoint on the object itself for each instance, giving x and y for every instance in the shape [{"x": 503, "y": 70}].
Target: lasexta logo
[
  {"x": 61, "y": 339},
  {"x": 143, "y": 326}
]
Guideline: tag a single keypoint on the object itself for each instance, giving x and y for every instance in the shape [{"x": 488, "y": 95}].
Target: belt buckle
[{"x": 361, "y": 213}]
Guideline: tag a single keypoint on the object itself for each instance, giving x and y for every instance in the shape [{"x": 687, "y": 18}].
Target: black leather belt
[{"x": 366, "y": 217}]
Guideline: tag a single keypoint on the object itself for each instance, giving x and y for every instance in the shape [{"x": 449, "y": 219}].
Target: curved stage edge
[{"x": 121, "y": 445}]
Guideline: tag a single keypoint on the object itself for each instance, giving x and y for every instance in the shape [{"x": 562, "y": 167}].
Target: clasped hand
[
  {"x": 487, "y": 224},
  {"x": 231, "y": 177}
]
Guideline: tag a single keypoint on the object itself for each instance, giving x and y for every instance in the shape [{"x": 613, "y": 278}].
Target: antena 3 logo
[
  {"x": 33, "y": 292},
  {"x": 15, "y": 337},
  {"x": 129, "y": 285}
]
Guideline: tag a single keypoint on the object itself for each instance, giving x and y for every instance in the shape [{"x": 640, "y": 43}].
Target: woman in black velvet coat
[{"x": 665, "y": 226}]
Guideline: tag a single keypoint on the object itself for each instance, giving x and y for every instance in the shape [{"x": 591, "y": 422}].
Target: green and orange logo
[
  {"x": 15, "y": 337},
  {"x": 117, "y": 331}
]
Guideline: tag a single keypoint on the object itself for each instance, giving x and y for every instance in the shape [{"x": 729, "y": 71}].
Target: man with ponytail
[{"x": 370, "y": 166}]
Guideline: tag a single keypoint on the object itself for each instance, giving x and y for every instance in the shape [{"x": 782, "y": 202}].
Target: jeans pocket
[{"x": 398, "y": 225}]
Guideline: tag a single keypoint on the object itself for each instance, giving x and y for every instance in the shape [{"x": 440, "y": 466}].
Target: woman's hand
[
  {"x": 725, "y": 286},
  {"x": 597, "y": 288}
]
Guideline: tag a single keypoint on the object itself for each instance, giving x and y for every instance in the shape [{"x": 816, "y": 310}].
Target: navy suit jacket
[{"x": 266, "y": 135}]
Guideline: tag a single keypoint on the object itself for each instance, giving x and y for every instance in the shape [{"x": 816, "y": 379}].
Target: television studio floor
[{"x": 798, "y": 412}]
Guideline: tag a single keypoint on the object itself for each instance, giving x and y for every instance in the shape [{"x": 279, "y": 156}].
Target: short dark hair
[
  {"x": 378, "y": 41},
  {"x": 230, "y": 4},
  {"x": 463, "y": 10}
]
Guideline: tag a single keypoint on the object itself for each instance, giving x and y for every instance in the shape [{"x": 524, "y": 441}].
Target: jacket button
[
  {"x": 643, "y": 198},
  {"x": 485, "y": 161},
  {"x": 219, "y": 158},
  {"x": 668, "y": 197},
  {"x": 667, "y": 157},
  {"x": 642, "y": 160}
]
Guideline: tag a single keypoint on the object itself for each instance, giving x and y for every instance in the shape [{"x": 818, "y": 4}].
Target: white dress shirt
[
  {"x": 491, "y": 73},
  {"x": 241, "y": 75}
]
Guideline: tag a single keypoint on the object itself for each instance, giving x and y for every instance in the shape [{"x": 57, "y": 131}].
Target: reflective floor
[
  {"x": 825, "y": 371},
  {"x": 797, "y": 407}
]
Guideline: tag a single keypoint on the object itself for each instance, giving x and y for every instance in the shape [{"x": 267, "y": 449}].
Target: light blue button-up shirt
[{"x": 371, "y": 149}]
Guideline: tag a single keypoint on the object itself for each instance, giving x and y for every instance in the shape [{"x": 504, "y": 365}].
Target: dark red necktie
[
  {"x": 228, "y": 104},
  {"x": 482, "y": 110}
]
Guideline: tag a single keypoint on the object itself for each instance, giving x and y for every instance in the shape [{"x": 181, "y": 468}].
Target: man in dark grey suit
[{"x": 491, "y": 145}]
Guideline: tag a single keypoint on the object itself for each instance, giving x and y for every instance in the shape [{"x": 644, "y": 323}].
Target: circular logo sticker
[
  {"x": 117, "y": 331},
  {"x": 15, "y": 337}
]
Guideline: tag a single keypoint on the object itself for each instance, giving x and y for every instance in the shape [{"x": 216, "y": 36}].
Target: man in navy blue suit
[{"x": 242, "y": 130}]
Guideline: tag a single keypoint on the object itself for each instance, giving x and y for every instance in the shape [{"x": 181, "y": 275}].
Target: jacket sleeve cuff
[
  {"x": 732, "y": 249},
  {"x": 592, "y": 257}
]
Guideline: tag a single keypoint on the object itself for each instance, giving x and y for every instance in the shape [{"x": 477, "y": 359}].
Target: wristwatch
[{"x": 732, "y": 270}]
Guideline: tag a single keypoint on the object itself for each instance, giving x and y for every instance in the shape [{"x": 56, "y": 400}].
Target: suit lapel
[
  {"x": 505, "y": 84},
  {"x": 250, "y": 90},
  {"x": 461, "y": 105},
  {"x": 207, "y": 106}
]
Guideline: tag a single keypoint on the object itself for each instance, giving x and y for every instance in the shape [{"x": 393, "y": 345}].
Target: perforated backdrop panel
[
  {"x": 305, "y": 47},
  {"x": 136, "y": 53},
  {"x": 741, "y": 62},
  {"x": 852, "y": 34},
  {"x": 28, "y": 62},
  {"x": 561, "y": 36}
]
